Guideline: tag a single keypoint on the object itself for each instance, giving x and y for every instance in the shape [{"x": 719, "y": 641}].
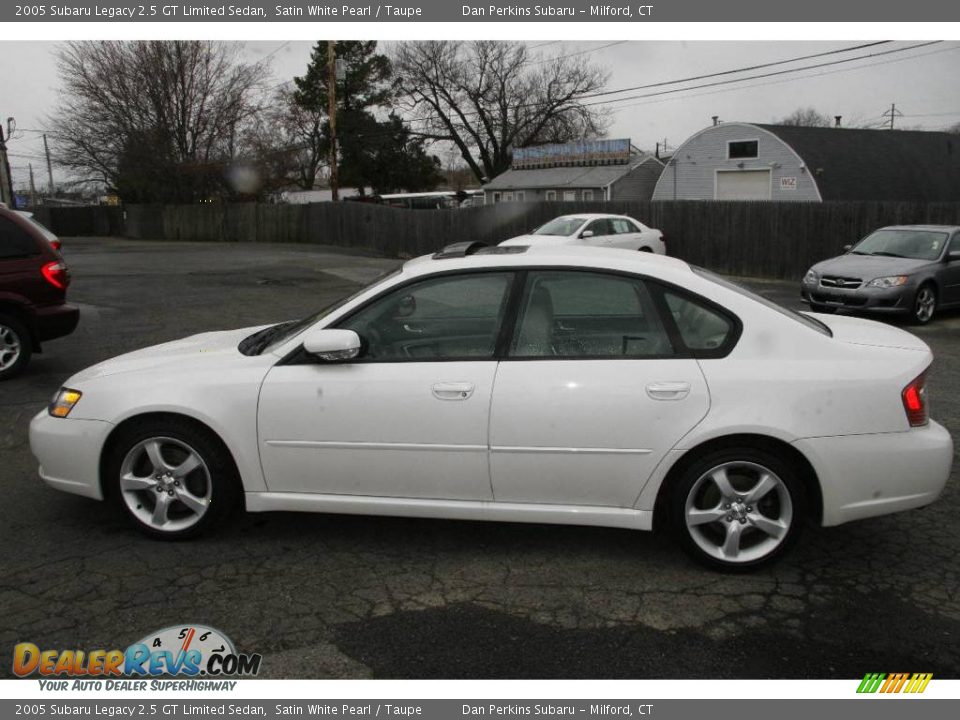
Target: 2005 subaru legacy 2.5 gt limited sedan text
[{"x": 542, "y": 384}]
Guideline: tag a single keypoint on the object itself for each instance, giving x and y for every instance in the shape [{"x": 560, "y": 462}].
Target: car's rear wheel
[
  {"x": 737, "y": 508},
  {"x": 172, "y": 478},
  {"x": 15, "y": 346},
  {"x": 646, "y": 249},
  {"x": 924, "y": 305}
]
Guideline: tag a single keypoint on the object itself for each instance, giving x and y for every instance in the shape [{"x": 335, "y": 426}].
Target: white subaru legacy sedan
[{"x": 541, "y": 384}]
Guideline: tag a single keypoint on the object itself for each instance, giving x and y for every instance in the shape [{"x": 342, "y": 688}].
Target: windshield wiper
[{"x": 887, "y": 254}]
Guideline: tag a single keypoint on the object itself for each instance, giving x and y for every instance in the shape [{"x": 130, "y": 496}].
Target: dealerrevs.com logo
[
  {"x": 894, "y": 683},
  {"x": 179, "y": 650}
]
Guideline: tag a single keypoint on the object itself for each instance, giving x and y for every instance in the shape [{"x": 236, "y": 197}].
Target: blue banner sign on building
[{"x": 584, "y": 152}]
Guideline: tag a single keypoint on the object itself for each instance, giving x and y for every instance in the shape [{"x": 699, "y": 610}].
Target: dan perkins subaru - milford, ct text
[{"x": 509, "y": 11}]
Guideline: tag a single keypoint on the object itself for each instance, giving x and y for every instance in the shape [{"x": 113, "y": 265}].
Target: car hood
[
  {"x": 187, "y": 353},
  {"x": 858, "y": 331},
  {"x": 538, "y": 240},
  {"x": 869, "y": 267}
]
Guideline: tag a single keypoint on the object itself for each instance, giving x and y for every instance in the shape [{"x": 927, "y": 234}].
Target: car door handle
[
  {"x": 668, "y": 390},
  {"x": 453, "y": 390}
]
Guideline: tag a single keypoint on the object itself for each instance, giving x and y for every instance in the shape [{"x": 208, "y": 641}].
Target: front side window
[
  {"x": 446, "y": 318},
  {"x": 600, "y": 227},
  {"x": 567, "y": 314}
]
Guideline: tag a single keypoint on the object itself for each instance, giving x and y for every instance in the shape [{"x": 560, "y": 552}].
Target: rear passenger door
[{"x": 597, "y": 386}]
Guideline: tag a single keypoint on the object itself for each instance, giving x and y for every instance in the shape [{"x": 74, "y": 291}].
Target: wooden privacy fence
[{"x": 756, "y": 239}]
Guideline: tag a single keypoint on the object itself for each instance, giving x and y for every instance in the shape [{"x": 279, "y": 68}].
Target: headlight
[
  {"x": 888, "y": 282},
  {"x": 63, "y": 402},
  {"x": 811, "y": 278}
]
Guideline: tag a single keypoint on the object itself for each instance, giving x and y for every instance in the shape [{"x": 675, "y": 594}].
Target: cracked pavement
[{"x": 324, "y": 596}]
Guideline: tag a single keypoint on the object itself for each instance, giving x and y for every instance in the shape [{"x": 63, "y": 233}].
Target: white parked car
[
  {"x": 595, "y": 230},
  {"x": 541, "y": 384}
]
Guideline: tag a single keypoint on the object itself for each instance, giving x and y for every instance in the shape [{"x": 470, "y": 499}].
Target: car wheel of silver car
[
  {"x": 15, "y": 346},
  {"x": 172, "y": 478},
  {"x": 738, "y": 508},
  {"x": 924, "y": 305}
]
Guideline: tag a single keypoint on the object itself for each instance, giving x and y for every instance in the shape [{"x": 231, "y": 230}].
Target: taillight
[
  {"x": 56, "y": 274},
  {"x": 915, "y": 401}
]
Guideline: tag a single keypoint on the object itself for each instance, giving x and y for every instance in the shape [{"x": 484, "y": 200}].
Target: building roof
[
  {"x": 591, "y": 176},
  {"x": 852, "y": 164}
]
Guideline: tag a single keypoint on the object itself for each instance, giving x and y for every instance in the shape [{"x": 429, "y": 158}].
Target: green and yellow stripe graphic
[{"x": 894, "y": 682}]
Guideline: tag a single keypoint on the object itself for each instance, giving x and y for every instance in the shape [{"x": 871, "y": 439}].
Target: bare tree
[
  {"x": 157, "y": 120},
  {"x": 293, "y": 139},
  {"x": 489, "y": 97},
  {"x": 807, "y": 117}
]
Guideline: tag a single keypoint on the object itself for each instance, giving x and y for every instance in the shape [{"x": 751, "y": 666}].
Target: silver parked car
[{"x": 911, "y": 270}]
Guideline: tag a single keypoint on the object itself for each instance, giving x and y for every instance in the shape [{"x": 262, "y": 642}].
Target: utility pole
[
  {"x": 6, "y": 180},
  {"x": 33, "y": 188},
  {"x": 893, "y": 114},
  {"x": 332, "y": 113},
  {"x": 52, "y": 190}
]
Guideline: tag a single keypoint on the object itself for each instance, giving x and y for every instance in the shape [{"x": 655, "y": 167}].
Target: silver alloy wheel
[
  {"x": 738, "y": 512},
  {"x": 925, "y": 304},
  {"x": 165, "y": 484},
  {"x": 9, "y": 347}
]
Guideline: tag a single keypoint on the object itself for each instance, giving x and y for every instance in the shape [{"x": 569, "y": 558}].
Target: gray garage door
[{"x": 743, "y": 185}]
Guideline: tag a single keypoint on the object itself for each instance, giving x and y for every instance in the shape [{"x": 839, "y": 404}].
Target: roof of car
[
  {"x": 589, "y": 216},
  {"x": 574, "y": 256},
  {"x": 941, "y": 228}
]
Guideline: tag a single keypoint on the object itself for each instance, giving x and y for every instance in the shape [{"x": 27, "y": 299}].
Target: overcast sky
[{"x": 923, "y": 82}]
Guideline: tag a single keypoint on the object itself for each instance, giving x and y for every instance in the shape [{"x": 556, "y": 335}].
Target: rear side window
[
  {"x": 702, "y": 328},
  {"x": 575, "y": 314},
  {"x": 15, "y": 242}
]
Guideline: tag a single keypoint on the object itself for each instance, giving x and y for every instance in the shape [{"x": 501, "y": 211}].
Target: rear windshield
[
  {"x": 561, "y": 226},
  {"x": 801, "y": 318},
  {"x": 41, "y": 228}
]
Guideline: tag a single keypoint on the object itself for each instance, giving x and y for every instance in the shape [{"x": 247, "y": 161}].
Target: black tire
[
  {"x": 645, "y": 249},
  {"x": 13, "y": 332},
  {"x": 215, "y": 481},
  {"x": 784, "y": 503},
  {"x": 922, "y": 312}
]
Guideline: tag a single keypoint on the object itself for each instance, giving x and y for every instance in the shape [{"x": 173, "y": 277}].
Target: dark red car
[{"x": 33, "y": 290}]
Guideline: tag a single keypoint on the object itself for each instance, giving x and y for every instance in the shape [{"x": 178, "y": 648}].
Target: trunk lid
[{"x": 857, "y": 331}]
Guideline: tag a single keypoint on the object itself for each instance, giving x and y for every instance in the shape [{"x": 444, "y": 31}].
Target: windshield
[
  {"x": 810, "y": 322},
  {"x": 914, "y": 244},
  {"x": 561, "y": 226},
  {"x": 270, "y": 338}
]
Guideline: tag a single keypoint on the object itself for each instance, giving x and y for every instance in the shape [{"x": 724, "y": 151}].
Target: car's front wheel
[
  {"x": 172, "y": 478},
  {"x": 924, "y": 305},
  {"x": 737, "y": 508}
]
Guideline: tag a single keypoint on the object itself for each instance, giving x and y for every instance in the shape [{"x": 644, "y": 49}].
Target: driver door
[{"x": 410, "y": 417}]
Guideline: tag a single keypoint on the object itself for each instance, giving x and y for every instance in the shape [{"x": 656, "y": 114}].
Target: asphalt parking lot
[{"x": 348, "y": 597}]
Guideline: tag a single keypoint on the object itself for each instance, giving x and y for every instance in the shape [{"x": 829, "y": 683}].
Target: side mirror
[
  {"x": 332, "y": 345},
  {"x": 953, "y": 256},
  {"x": 847, "y": 248},
  {"x": 586, "y": 234}
]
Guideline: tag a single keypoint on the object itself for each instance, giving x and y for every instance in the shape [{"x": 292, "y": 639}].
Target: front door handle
[
  {"x": 453, "y": 390},
  {"x": 668, "y": 390}
]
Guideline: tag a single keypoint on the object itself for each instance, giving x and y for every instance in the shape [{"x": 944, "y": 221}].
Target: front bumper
[
  {"x": 68, "y": 451},
  {"x": 896, "y": 300},
  {"x": 864, "y": 476}
]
